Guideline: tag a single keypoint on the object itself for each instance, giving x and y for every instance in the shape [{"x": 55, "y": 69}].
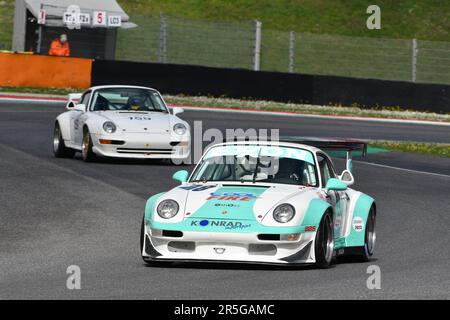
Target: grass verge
[
  {"x": 382, "y": 112},
  {"x": 435, "y": 149}
]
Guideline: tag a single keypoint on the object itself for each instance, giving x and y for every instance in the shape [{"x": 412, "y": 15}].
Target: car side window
[
  {"x": 326, "y": 169},
  {"x": 85, "y": 98}
]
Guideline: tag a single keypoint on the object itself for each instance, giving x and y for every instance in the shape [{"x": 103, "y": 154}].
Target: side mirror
[
  {"x": 336, "y": 185},
  {"x": 347, "y": 177},
  {"x": 177, "y": 110},
  {"x": 80, "y": 107},
  {"x": 70, "y": 106},
  {"x": 181, "y": 176}
]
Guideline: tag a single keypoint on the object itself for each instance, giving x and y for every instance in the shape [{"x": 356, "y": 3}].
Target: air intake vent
[
  {"x": 269, "y": 237},
  {"x": 172, "y": 234}
]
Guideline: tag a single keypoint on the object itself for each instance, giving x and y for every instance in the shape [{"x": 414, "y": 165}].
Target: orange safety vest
[{"x": 59, "y": 49}]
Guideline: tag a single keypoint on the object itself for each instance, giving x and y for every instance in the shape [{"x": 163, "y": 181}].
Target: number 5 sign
[{"x": 99, "y": 18}]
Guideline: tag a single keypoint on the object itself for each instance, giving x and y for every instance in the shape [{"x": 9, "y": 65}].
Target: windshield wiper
[{"x": 256, "y": 167}]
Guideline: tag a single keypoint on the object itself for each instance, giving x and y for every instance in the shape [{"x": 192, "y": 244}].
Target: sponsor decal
[
  {"x": 227, "y": 205},
  {"x": 337, "y": 222},
  {"x": 136, "y": 117},
  {"x": 228, "y": 225},
  {"x": 358, "y": 224},
  {"x": 197, "y": 187},
  {"x": 263, "y": 151},
  {"x": 232, "y": 196}
]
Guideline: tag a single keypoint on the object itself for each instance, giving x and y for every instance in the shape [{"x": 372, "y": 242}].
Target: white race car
[
  {"x": 262, "y": 202},
  {"x": 121, "y": 121}
]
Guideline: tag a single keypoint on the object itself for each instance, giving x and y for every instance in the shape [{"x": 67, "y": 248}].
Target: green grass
[
  {"x": 425, "y": 19},
  {"x": 47, "y": 91},
  {"x": 435, "y": 149},
  {"x": 6, "y": 23}
]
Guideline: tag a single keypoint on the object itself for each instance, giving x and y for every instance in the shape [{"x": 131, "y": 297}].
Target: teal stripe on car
[
  {"x": 150, "y": 206},
  {"x": 362, "y": 209}
]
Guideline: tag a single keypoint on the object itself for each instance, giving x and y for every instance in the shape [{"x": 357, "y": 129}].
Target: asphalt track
[{"x": 60, "y": 212}]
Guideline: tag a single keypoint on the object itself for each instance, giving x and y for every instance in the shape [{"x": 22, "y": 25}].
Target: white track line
[
  {"x": 25, "y": 99},
  {"x": 403, "y": 169},
  {"x": 316, "y": 116}
]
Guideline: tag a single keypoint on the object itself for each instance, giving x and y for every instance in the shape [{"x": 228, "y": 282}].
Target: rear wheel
[
  {"x": 59, "y": 147},
  {"x": 324, "y": 244},
  {"x": 86, "y": 148}
]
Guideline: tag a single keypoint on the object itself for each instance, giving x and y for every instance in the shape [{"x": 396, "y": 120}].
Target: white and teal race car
[{"x": 262, "y": 202}]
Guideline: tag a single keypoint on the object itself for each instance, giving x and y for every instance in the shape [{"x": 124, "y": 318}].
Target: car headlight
[
  {"x": 167, "y": 209},
  {"x": 109, "y": 127},
  {"x": 283, "y": 213},
  {"x": 179, "y": 128}
]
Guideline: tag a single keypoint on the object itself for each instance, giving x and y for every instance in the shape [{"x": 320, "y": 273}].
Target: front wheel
[
  {"x": 324, "y": 244},
  {"x": 86, "y": 149},
  {"x": 59, "y": 147},
  {"x": 370, "y": 237}
]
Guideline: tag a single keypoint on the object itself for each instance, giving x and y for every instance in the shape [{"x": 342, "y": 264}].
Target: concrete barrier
[{"x": 38, "y": 71}]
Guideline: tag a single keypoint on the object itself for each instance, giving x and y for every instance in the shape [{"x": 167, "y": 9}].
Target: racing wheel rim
[
  {"x": 371, "y": 233},
  {"x": 327, "y": 239},
  {"x": 56, "y": 139},
  {"x": 85, "y": 146}
]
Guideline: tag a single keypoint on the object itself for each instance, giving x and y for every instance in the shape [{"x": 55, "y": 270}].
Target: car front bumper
[
  {"x": 227, "y": 247},
  {"x": 142, "y": 146}
]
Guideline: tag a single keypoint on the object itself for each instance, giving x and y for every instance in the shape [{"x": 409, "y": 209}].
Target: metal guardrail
[{"x": 248, "y": 45}]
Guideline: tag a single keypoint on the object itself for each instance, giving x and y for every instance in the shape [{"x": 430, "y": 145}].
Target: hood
[
  {"x": 138, "y": 122},
  {"x": 246, "y": 203}
]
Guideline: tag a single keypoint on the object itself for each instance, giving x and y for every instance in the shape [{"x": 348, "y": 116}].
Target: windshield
[
  {"x": 266, "y": 164},
  {"x": 131, "y": 99}
]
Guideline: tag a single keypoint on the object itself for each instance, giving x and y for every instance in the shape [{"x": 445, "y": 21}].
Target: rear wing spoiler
[{"x": 332, "y": 144}]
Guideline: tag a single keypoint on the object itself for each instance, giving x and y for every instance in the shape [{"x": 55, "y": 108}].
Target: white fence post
[
  {"x": 162, "y": 39},
  {"x": 257, "y": 51},
  {"x": 414, "y": 60},
  {"x": 39, "y": 39},
  {"x": 291, "y": 51}
]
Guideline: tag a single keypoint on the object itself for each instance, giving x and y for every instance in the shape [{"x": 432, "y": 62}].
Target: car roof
[
  {"x": 120, "y": 86},
  {"x": 268, "y": 143}
]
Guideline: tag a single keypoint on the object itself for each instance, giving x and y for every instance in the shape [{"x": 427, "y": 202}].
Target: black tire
[
  {"x": 364, "y": 253},
  {"x": 177, "y": 162},
  {"x": 370, "y": 237},
  {"x": 59, "y": 147},
  {"x": 86, "y": 148},
  {"x": 324, "y": 244}
]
